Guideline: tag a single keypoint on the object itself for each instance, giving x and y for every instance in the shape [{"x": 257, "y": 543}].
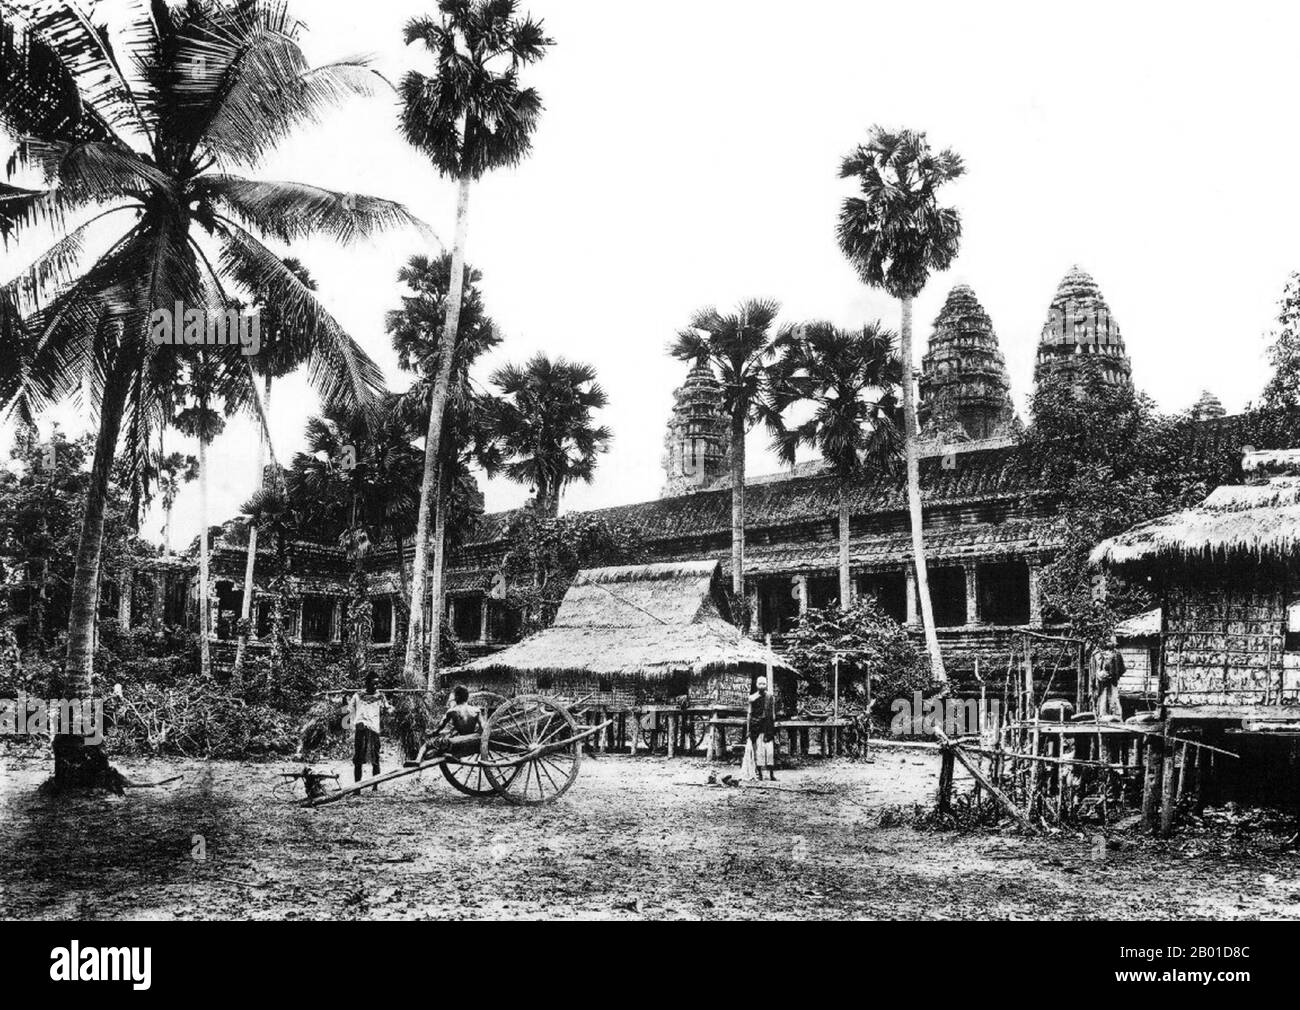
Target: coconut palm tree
[
  {"x": 543, "y": 424},
  {"x": 286, "y": 347},
  {"x": 896, "y": 233},
  {"x": 417, "y": 331},
  {"x": 356, "y": 483},
  {"x": 739, "y": 348},
  {"x": 470, "y": 117},
  {"x": 847, "y": 378},
  {"x": 212, "y": 86}
]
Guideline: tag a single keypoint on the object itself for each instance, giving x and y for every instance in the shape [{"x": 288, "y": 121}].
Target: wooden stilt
[
  {"x": 945, "y": 780},
  {"x": 1152, "y": 755},
  {"x": 1168, "y": 787}
]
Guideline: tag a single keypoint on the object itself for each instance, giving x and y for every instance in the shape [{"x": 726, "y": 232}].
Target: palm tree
[
  {"x": 466, "y": 440},
  {"x": 272, "y": 513},
  {"x": 469, "y": 118},
  {"x": 214, "y": 86},
  {"x": 543, "y": 424},
  {"x": 286, "y": 347},
  {"x": 896, "y": 233},
  {"x": 847, "y": 377},
  {"x": 202, "y": 422},
  {"x": 173, "y": 470},
  {"x": 356, "y": 483},
  {"x": 739, "y": 347}
]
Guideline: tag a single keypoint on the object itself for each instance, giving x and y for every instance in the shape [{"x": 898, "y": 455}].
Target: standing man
[
  {"x": 762, "y": 729},
  {"x": 1107, "y": 668},
  {"x": 364, "y": 712}
]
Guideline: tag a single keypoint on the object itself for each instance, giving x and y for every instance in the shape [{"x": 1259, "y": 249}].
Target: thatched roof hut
[
  {"x": 635, "y": 633},
  {"x": 1228, "y": 576},
  {"x": 1258, "y": 520}
]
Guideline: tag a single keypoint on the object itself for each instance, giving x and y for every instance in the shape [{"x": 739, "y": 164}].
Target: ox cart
[{"x": 528, "y": 753}]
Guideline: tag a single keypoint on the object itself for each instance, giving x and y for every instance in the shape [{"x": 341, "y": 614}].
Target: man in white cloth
[
  {"x": 364, "y": 712},
  {"x": 762, "y": 729}
]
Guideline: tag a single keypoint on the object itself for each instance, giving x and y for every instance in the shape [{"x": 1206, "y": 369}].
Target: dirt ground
[{"x": 634, "y": 838}]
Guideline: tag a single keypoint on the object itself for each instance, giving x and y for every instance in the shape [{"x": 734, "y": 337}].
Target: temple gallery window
[
  {"x": 1003, "y": 591},
  {"x": 264, "y": 618},
  {"x": 230, "y": 604},
  {"x": 778, "y": 610},
  {"x": 823, "y": 591},
  {"x": 317, "y": 619},
  {"x": 889, "y": 590},
  {"x": 948, "y": 596},
  {"x": 381, "y": 612},
  {"x": 466, "y": 618}
]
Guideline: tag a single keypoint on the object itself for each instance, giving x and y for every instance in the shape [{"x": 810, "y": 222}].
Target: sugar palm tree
[
  {"x": 896, "y": 234},
  {"x": 201, "y": 421},
  {"x": 417, "y": 333},
  {"x": 286, "y": 347},
  {"x": 739, "y": 348},
  {"x": 215, "y": 85},
  {"x": 469, "y": 118},
  {"x": 173, "y": 470},
  {"x": 847, "y": 378},
  {"x": 544, "y": 426},
  {"x": 356, "y": 483}
]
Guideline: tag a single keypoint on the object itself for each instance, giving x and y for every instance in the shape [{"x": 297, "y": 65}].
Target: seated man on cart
[{"x": 462, "y": 720}]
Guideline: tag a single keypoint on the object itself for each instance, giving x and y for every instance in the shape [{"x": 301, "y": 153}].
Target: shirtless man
[{"x": 464, "y": 720}]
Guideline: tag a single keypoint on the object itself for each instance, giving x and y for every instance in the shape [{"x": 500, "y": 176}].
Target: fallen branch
[
  {"x": 1003, "y": 800},
  {"x": 152, "y": 785}
]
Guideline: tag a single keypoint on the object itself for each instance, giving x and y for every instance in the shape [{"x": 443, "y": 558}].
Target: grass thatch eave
[{"x": 1248, "y": 523}]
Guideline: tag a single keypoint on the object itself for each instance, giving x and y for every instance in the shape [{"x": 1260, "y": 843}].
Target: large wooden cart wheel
[
  {"x": 531, "y": 725},
  {"x": 465, "y": 774}
]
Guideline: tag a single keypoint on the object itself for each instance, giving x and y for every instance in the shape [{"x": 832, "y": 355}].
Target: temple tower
[
  {"x": 1079, "y": 325},
  {"x": 698, "y": 434},
  {"x": 965, "y": 388}
]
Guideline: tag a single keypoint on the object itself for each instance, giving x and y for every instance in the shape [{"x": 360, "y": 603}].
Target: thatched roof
[
  {"x": 636, "y": 620},
  {"x": 1254, "y": 520},
  {"x": 1144, "y": 625}
]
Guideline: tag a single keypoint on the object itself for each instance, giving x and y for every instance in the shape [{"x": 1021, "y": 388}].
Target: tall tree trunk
[
  {"x": 436, "y": 586},
  {"x": 167, "y": 527},
  {"x": 914, "y": 498},
  {"x": 846, "y": 581},
  {"x": 205, "y": 655},
  {"x": 738, "y": 508},
  {"x": 413, "y": 670},
  {"x": 246, "y": 611},
  {"x": 75, "y": 761}
]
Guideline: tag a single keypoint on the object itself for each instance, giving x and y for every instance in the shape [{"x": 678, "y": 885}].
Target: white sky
[{"x": 688, "y": 156}]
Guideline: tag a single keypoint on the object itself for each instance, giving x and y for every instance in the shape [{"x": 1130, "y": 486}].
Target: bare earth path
[{"x": 630, "y": 840}]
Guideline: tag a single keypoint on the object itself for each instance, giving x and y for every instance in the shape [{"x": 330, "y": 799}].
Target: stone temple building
[{"x": 989, "y": 530}]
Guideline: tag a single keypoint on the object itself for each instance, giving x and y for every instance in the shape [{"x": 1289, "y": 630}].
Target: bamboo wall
[{"x": 1225, "y": 638}]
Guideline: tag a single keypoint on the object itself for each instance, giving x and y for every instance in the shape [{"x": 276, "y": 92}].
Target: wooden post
[
  {"x": 1153, "y": 754},
  {"x": 945, "y": 780},
  {"x": 835, "y": 690},
  {"x": 1169, "y": 786}
]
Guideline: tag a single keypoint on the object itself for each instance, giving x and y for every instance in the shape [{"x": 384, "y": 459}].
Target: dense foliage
[
  {"x": 870, "y": 644},
  {"x": 546, "y": 553}
]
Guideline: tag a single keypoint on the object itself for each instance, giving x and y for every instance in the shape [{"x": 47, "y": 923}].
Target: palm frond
[
  {"x": 291, "y": 211},
  {"x": 86, "y": 50},
  {"x": 341, "y": 372}
]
